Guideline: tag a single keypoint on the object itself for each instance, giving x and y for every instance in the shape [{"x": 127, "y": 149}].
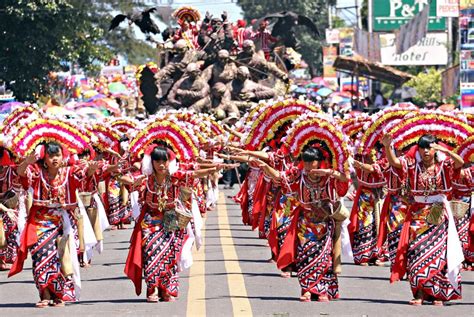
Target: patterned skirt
[
  {"x": 44, "y": 254},
  {"x": 365, "y": 238},
  {"x": 314, "y": 261},
  {"x": 398, "y": 210},
  {"x": 427, "y": 259},
  {"x": 161, "y": 252},
  {"x": 462, "y": 226},
  {"x": 118, "y": 212},
  {"x": 8, "y": 254}
]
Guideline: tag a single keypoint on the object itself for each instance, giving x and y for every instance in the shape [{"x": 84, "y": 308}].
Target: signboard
[
  {"x": 447, "y": 8},
  {"x": 466, "y": 54},
  {"x": 346, "y": 41},
  {"x": 332, "y": 36},
  {"x": 389, "y": 15},
  {"x": 329, "y": 56},
  {"x": 431, "y": 50}
]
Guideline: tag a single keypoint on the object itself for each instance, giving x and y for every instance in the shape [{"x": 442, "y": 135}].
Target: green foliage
[
  {"x": 427, "y": 85},
  {"x": 39, "y": 36},
  {"x": 316, "y": 10}
]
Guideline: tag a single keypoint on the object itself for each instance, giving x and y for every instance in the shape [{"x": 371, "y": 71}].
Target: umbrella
[
  {"x": 404, "y": 93},
  {"x": 98, "y": 96},
  {"x": 324, "y": 92},
  {"x": 311, "y": 85},
  {"x": 117, "y": 88},
  {"x": 300, "y": 90},
  {"x": 320, "y": 82},
  {"x": 58, "y": 111},
  {"x": 447, "y": 107},
  {"x": 10, "y": 106},
  {"x": 89, "y": 94},
  {"x": 90, "y": 113}
]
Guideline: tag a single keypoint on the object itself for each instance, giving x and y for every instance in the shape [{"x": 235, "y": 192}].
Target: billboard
[
  {"x": 389, "y": 15},
  {"x": 447, "y": 8},
  {"x": 466, "y": 54},
  {"x": 431, "y": 50},
  {"x": 329, "y": 56}
]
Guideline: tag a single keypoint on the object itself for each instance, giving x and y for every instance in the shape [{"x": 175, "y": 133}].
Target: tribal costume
[
  {"x": 309, "y": 242},
  {"x": 363, "y": 228},
  {"x": 154, "y": 250},
  {"x": 118, "y": 210},
  {"x": 423, "y": 251},
  {"x": 393, "y": 210},
  {"x": 9, "y": 181},
  {"x": 50, "y": 217},
  {"x": 462, "y": 190}
]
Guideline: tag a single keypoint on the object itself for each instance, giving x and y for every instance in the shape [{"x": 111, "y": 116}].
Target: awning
[{"x": 359, "y": 66}]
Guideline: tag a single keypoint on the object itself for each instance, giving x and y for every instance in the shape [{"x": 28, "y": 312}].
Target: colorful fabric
[
  {"x": 314, "y": 255},
  {"x": 462, "y": 226},
  {"x": 8, "y": 254},
  {"x": 118, "y": 212},
  {"x": 45, "y": 259},
  {"x": 427, "y": 258},
  {"x": 161, "y": 250},
  {"x": 364, "y": 244}
]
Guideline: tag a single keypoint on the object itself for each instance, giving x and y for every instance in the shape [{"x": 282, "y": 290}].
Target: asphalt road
[{"x": 230, "y": 276}]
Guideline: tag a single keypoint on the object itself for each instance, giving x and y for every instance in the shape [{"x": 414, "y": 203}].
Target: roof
[{"x": 372, "y": 70}]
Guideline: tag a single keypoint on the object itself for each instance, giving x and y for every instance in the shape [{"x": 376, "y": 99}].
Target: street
[{"x": 231, "y": 275}]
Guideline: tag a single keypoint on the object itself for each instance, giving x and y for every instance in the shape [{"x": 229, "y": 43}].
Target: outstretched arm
[{"x": 392, "y": 158}]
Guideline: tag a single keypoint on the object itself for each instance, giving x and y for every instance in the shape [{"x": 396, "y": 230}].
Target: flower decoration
[
  {"x": 268, "y": 122},
  {"x": 445, "y": 127},
  {"x": 466, "y": 149},
  {"x": 48, "y": 130},
  {"x": 107, "y": 137},
  {"x": 310, "y": 128},
  {"x": 374, "y": 131},
  {"x": 180, "y": 139}
]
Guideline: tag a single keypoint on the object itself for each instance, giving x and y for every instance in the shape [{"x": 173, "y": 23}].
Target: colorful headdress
[
  {"x": 444, "y": 127},
  {"x": 353, "y": 125},
  {"x": 18, "y": 119},
  {"x": 273, "y": 118},
  {"x": 48, "y": 130},
  {"x": 374, "y": 129},
  {"x": 466, "y": 149},
  {"x": 181, "y": 141},
  {"x": 309, "y": 129},
  {"x": 124, "y": 124},
  {"x": 107, "y": 137},
  {"x": 186, "y": 13}
]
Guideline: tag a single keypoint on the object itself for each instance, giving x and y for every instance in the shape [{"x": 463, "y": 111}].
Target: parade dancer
[
  {"x": 9, "y": 193},
  {"x": 50, "y": 223},
  {"x": 429, "y": 247},
  {"x": 365, "y": 216}
]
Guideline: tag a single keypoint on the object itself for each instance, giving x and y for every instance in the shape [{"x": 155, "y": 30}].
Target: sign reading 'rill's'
[{"x": 389, "y": 15}]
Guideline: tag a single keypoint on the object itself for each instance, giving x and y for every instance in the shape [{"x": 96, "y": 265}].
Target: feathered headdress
[
  {"x": 444, "y": 127},
  {"x": 49, "y": 130},
  {"x": 186, "y": 13},
  {"x": 272, "y": 118},
  {"x": 181, "y": 141},
  {"x": 316, "y": 128},
  {"x": 107, "y": 137},
  {"x": 466, "y": 149},
  {"x": 374, "y": 129}
]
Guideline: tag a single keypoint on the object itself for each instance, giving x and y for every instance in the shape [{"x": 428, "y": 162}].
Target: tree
[
  {"x": 311, "y": 47},
  {"x": 427, "y": 85},
  {"x": 41, "y": 36}
]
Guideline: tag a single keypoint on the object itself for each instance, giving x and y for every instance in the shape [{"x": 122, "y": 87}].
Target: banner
[
  {"x": 447, "y": 8},
  {"x": 413, "y": 31},
  {"x": 346, "y": 41},
  {"x": 466, "y": 55},
  {"x": 450, "y": 82},
  {"x": 367, "y": 45},
  {"x": 432, "y": 50},
  {"x": 329, "y": 56},
  {"x": 389, "y": 15},
  {"x": 332, "y": 36}
]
